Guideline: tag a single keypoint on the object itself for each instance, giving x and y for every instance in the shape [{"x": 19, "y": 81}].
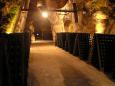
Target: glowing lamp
[{"x": 45, "y": 14}]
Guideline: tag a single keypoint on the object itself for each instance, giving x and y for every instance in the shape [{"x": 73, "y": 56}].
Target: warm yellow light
[
  {"x": 100, "y": 27},
  {"x": 45, "y": 14},
  {"x": 99, "y": 15},
  {"x": 100, "y": 24},
  {"x": 11, "y": 25},
  {"x": 39, "y": 4}
]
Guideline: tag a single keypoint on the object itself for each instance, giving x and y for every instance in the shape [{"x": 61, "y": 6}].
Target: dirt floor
[{"x": 52, "y": 66}]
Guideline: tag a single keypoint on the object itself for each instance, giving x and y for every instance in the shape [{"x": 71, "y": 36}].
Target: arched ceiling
[{"x": 55, "y": 4}]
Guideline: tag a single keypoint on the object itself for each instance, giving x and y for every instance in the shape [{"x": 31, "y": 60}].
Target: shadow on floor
[
  {"x": 74, "y": 77},
  {"x": 32, "y": 80}
]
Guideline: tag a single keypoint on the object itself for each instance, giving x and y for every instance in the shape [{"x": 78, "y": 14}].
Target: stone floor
[{"x": 52, "y": 66}]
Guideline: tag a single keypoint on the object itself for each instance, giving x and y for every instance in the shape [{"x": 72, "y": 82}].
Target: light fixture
[
  {"x": 37, "y": 34},
  {"x": 45, "y": 14}
]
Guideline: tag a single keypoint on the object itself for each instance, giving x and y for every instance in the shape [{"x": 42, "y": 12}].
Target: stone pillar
[{"x": 31, "y": 29}]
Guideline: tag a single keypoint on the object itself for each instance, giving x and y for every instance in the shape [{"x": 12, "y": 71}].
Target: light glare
[
  {"x": 100, "y": 27},
  {"x": 100, "y": 24},
  {"x": 45, "y": 14},
  {"x": 100, "y": 15}
]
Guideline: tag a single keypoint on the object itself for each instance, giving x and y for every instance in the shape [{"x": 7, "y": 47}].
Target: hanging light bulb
[{"x": 45, "y": 14}]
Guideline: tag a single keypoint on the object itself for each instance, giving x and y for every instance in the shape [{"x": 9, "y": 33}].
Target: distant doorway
[{"x": 43, "y": 30}]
